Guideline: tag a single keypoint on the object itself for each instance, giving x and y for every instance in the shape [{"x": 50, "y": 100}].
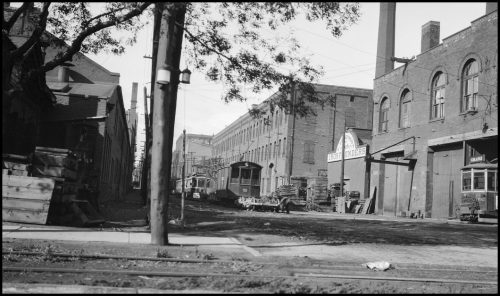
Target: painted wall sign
[{"x": 352, "y": 149}]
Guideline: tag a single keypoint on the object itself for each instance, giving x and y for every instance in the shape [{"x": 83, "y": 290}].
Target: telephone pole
[
  {"x": 290, "y": 159},
  {"x": 342, "y": 162},
  {"x": 165, "y": 101},
  {"x": 183, "y": 173},
  {"x": 144, "y": 177}
]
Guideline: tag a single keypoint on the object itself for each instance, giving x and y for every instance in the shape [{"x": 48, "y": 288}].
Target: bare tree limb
[
  {"x": 7, "y": 25},
  {"x": 37, "y": 33},
  {"x": 77, "y": 43}
]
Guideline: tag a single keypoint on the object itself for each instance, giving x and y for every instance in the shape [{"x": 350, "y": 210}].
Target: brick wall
[{"x": 478, "y": 41}]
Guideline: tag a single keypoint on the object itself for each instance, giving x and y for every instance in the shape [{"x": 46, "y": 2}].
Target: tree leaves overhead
[{"x": 243, "y": 44}]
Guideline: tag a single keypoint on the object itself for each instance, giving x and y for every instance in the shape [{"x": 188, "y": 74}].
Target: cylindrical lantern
[{"x": 163, "y": 75}]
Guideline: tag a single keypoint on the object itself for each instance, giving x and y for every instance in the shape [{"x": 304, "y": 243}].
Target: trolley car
[
  {"x": 196, "y": 186},
  {"x": 237, "y": 180},
  {"x": 479, "y": 200}
]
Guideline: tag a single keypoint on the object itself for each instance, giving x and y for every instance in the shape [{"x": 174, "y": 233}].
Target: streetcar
[
  {"x": 239, "y": 179},
  {"x": 196, "y": 186},
  {"x": 479, "y": 200}
]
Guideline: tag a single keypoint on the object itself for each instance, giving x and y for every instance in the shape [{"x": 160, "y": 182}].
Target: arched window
[
  {"x": 404, "y": 109},
  {"x": 383, "y": 116},
  {"x": 438, "y": 96},
  {"x": 470, "y": 81}
]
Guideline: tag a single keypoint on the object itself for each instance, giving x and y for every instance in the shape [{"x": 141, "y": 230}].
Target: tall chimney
[
  {"x": 133, "y": 102},
  {"x": 491, "y": 6},
  {"x": 386, "y": 38},
  {"x": 63, "y": 74},
  {"x": 430, "y": 36}
]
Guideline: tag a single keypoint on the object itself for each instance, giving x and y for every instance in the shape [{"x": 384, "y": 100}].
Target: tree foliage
[{"x": 241, "y": 44}]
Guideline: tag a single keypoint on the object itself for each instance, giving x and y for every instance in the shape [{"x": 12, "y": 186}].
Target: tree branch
[
  {"x": 77, "y": 43},
  {"x": 7, "y": 25},
  {"x": 232, "y": 61},
  {"x": 86, "y": 23},
  {"x": 37, "y": 33}
]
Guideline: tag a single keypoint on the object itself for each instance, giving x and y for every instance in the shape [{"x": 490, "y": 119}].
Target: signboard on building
[
  {"x": 477, "y": 159},
  {"x": 352, "y": 149}
]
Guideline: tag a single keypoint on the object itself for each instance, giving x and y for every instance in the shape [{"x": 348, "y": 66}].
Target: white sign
[{"x": 352, "y": 150}]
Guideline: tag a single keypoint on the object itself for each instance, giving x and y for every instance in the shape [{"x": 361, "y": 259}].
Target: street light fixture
[
  {"x": 186, "y": 76},
  {"x": 165, "y": 72}
]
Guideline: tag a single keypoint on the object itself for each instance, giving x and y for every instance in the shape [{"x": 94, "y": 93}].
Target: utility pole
[
  {"x": 342, "y": 162},
  {"x": 334, "y": 111},
  {"x": 183, "y": 173},
  {"x": 144, "y": 177},
  {"x": 169, "y": 53},
  {"x": 290, "y": 159}
]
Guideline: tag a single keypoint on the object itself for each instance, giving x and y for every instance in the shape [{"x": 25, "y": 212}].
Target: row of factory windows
[
  {"x": 255, "y": 129},
  {"x": 469, "y": 97},
  {"x": 273, "y": 151},
  {"x": 263, "y": 153}
]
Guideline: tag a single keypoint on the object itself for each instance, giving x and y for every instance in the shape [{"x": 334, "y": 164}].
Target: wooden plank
[
  {"x": 15, "y": 165},
  {"x": 17, "y": 157},
  {"x": 19, "y": 215},
  {"x": 53, "y": 150},
  {"x": 27, "y": 187},
  {"x": 25, "y": 204},
  {"x": 49, "y": 159},
  {"x": 28, "y": 181},
  {"x": 57, "y": 172},
  {"x": 19, "y": 173}
]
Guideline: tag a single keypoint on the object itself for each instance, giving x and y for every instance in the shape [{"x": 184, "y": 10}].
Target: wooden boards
[
  {"x": 369, "y": 205},
  {"x": 26, "y": 199}
]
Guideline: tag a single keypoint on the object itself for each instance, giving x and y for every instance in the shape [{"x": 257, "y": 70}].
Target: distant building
[
  {"x": 198, "y": 152},
  {"x": 270, "y": 145},
  {"x": 442, "y": 109}
]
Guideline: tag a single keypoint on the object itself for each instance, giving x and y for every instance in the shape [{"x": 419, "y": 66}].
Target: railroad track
[{"x": 288, "y": 271}]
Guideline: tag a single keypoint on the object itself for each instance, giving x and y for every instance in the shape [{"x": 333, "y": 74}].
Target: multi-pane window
[
  {"x": 404, "y": 111},
  {"x": 384, "y": 116},
  {"x": 438, "y": 96},
  {"x": 470, "y": 84},
  {"x": 309, "y": 152}
]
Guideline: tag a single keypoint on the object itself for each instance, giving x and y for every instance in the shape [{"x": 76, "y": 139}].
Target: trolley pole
[{"x": 183, "y": 174}]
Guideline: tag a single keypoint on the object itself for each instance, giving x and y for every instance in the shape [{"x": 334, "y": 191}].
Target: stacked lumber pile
[
  {"x": 292, "y": 192},
  {"x": 54, "y": 162},
  {"x": 320, "y": 190},
  {"x": 369, "y": 206},
  {"x": 17, "y": 165},
  {"x": 24, "y": 198}
]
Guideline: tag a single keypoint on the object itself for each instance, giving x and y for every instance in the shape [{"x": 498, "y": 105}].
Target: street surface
[{"x": 304, "y": 249}]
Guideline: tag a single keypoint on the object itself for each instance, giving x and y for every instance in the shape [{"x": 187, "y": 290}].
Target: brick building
[
  {"x": 438, "y": 111},
  {"x": 23, "y": 101},
  {"x": 198, "y": 152},
  {"x": 269, "y": 145}
]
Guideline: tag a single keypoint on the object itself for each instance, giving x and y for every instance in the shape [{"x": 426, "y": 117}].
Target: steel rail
[
  {"x": 316, "y": 267},
  {"x": 179, "y": 274}
]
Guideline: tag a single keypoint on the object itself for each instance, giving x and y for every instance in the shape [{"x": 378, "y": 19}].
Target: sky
[{"x": 348, "y": 61}]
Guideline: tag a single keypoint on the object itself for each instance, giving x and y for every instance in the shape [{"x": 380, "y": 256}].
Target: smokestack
[
  {"x": 430, "y": 36},
  {"x": 63, "y": 74},
  {"x": 491, "y": 6},
  {"x": 133, "y": 102},
  {"x": 386, "y": 38}
]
